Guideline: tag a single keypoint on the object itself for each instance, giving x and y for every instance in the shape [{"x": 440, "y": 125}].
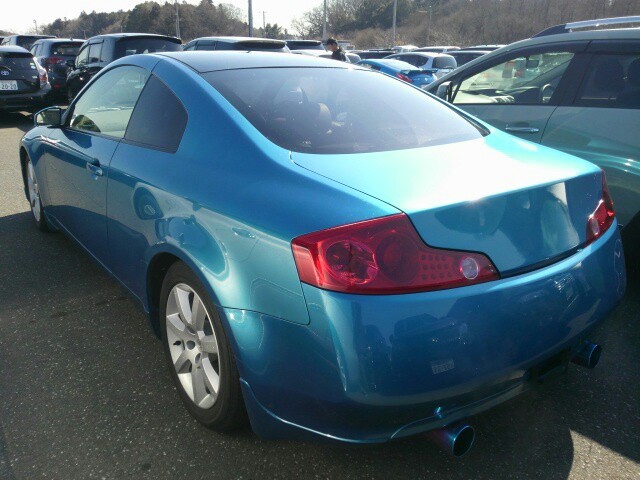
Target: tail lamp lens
[
  {"x": 602, "y": 217},
  {"x": 384, "y": 255},
  {"x": 404, "y": 77}
]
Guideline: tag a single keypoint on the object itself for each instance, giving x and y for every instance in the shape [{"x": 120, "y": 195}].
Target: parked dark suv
[
  {"x": 24, "y": 41},
  {"x": 97, "y": 52},
  {"x": 23, "y": 83},
  {"x": 237, "y": 43},
  {"x": 53, "y": 54}
]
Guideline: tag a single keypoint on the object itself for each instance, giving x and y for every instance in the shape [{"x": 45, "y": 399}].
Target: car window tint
[
  {"x": 206, "y": 45},
  {"x": 330, "y": 110},
  {"x": 17, "y": 61},
  {"x": 106, "y": 106},
  {"x": 159, "y": 118},
  {"x": 133, "y": 46},
  {"x": 82, "y": 57},
  {"x": 70, "y": 49},
  {"x": 94, "y": 52},
  {"x": 612, "y": 81},
  {"x": 526, "y": 80},
  {"x": 444, "y": 62}
]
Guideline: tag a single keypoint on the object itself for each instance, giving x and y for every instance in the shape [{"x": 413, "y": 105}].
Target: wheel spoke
[
  {"x": 198, "y": 313},
  {"x": 199, "y": 388},
  {"x": 211, "y": 377},
  {"x": 208, "y": 344},
  {"x": 174, "y": 323},
  {"x": 182, "y": 302},
  {"x": 182, "y": 362}
]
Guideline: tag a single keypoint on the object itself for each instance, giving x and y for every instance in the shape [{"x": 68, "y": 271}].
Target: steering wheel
[{"x": 546, "y": 92}]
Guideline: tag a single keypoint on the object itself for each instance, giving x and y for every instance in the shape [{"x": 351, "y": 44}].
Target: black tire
[
  {"x": 228, "y": 412},
  {"x": 37, "y": 212}
]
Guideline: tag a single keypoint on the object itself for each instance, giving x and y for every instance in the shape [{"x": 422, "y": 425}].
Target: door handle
[
  {"x": 94, "y": 168},
  {"x": 521, "y": 129}
]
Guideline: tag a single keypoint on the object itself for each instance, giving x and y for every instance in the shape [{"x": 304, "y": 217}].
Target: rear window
[
  {"x": 300, "y": 45},
  {"x": 26, "y": 42},
  {"x": 65, "y": 49},
  {"x": 17, "y": 61},
  {"x": 336, "y": 111},
  {"x": 134, "y": 46},
  {"x": 252, "y": 45},
  {"x": 444, "y": 62}
]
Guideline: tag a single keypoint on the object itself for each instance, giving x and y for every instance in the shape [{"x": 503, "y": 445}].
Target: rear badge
[{"x": 441, "y": 366}]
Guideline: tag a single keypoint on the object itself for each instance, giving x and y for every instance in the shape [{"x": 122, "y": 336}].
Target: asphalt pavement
[{"x": 85, "y": 393}]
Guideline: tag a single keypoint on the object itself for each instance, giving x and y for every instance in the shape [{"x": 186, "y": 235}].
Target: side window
[
  {"x": 525, "y": 80},
  {"x": 106, "y": 106},
  {"x": 445, "y": 62},
  {"x": 82, "y": 57},
  {"x": 159, "y": 119},
  {"x": 34, "y": 50},
  {"x": 414, "y": 60},
  {"x": 94, "y": 52},
  {"x": 189, "y": 47},
  {"x": 611, "y": 81}
]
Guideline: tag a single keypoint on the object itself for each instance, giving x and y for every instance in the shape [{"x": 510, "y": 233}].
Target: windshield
[
  {"x": 16, "y": 61},
  {"x": 133, "y": 46},
  {"x": 66, "y": 49},
  {"x": 334, "y": 111}
]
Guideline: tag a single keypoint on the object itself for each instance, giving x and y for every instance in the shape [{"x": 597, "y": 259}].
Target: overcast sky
[{"x": 18, "y": 15}]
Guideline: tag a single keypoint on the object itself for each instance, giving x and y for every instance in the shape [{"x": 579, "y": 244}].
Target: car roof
[
  {"x": 30, "y": 36},
  {"x": 135, "y": 35},
  {"x": 242, "y": 39},
  {"x": 59, "y": 40},
  {"x": 422, "y": 54},
  {"x": 453, "y": 53},
  {"x": 207, "y": 61},
  {"x": 390, "y": 62},
  {"x": 13, "y": 49}
]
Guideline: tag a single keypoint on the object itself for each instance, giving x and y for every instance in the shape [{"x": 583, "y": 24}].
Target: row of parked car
[{"x": 64, "y": 66}]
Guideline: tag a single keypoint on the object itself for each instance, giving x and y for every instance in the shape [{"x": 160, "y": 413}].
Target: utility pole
[
  {"x": 393, "y": 31},
  {"x": 264, "y": 27},
  {"x": 177, "y": 19},
  {"x": 324, "y": 22},
  {"x": 250, "y": 19},
  {"x": 36, "y": 24}
]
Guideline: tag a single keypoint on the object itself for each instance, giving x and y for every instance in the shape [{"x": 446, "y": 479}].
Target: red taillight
[
  {"x": 402, "y": 76},
  {"x": 384, "y": 255},
  {"x": 54, "y": 60},
  {"x": 602, "y": 217}
]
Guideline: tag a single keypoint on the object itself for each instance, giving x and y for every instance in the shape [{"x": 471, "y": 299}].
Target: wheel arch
[{"x": 24, "y": 157}]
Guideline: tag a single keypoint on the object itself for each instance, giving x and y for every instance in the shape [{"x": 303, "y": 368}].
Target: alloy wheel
[
  {"x": 193, "y": 345},
  {"x": 34, "y": 192}
]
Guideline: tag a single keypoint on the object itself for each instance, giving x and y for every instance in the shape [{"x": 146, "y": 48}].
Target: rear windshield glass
[
  {"x": 133, "y": 46},
  {"x": 68, "y": 49},
  {"x": 26, "y": 42},
  {"x": 444, "y": 62},
  {"x": 334, "y": 111},
  {"x": 16, "y": 61},
  {"x": 300, "y": 45},
  {"x": 256, "y": 46}
]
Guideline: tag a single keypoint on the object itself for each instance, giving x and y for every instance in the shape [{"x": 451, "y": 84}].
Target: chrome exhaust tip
[
  {"x": 588, "y": 356},
  {"x": 456, "y": 439}
]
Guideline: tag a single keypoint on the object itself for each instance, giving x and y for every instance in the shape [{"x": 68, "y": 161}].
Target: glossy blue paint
[
  {"x": 418, "y": 76},
  {"x": 228, "y": 203}
]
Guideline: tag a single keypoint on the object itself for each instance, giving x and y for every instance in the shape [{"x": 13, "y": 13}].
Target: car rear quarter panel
[{"x": 228, "y": 201}]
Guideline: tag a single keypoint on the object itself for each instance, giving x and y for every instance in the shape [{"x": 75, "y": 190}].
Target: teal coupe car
[{"x": 324, "y": 260}]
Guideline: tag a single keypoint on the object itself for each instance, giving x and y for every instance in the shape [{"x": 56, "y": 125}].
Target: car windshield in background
[
  {"x": 16, "y": 61},
  {"x": 134, "y": 46},
  {"x": 26, "y": 42},
  {"x": 68, "y": 49},
  {"x": 336, "y": 111}
]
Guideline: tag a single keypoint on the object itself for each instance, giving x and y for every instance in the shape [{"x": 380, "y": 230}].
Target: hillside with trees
[{"x": 367, "y": 23}]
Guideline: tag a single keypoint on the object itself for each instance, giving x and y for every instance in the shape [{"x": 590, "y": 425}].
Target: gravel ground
[{"x": 84, "y": 392}]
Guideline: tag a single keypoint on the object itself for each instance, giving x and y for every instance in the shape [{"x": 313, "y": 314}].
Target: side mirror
[
  {"x": 50, "y": 117},
  {"x": 443, "y": 91},
  {"x": 70, "y": 63}
]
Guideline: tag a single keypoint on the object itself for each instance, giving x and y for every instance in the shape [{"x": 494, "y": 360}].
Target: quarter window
[
  {"x": 94, "y": 52},
  {"x": 525, "y": 80},
  {"x": 159, "y": 118},
  {"x": 612, "y": 81},
  {"x": 82, "y": 57},
  {"x": 106, "y": 106}
]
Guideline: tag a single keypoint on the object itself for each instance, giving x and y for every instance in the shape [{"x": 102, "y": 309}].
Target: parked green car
[{"x": 577, "y": 91}]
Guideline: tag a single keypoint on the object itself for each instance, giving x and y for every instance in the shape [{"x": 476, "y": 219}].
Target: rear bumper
[
  {"x": 373, "y": 368},
  {"x": 33, "y": 101}
]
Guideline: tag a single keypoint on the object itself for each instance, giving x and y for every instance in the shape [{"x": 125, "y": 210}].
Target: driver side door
[
  {"x": 519, "y": 91},
  {"x": 81, "y": 152}
]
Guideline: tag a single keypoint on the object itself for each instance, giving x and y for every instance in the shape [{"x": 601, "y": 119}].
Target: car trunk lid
[{"x": 521, "y": 204}]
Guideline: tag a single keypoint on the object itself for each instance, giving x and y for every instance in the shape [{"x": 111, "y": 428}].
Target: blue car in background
[
  {"x": 323, "y": 250},
  {"x": 402, "y": 70}
]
